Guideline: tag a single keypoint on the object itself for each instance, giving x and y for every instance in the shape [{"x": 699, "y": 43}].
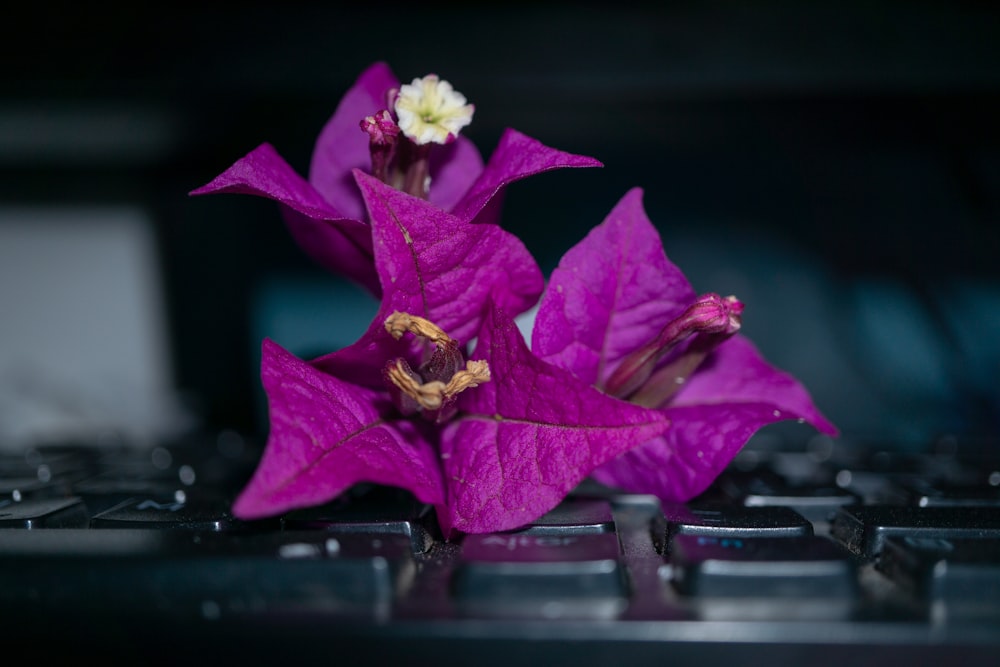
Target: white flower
[{"x": 430, "y": 110}]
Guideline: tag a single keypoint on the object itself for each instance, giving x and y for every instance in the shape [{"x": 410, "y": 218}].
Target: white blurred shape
[{"x": 84, "y": 348}]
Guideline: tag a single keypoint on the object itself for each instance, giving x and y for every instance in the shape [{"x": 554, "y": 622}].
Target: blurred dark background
[{"x": 834, "y": 164}]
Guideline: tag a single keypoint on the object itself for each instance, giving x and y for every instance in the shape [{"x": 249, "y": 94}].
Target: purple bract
[
  {"x": 513, "y": 445},
  {"x": 326, "y": 215},
  {"x": 617, "y": 312}
]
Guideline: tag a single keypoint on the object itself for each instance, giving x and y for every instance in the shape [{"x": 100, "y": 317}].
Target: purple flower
[
  {"x": 492, "y": 441},
  {"x": 404, "y": 135},
  {"x": 622, "y": 317}
]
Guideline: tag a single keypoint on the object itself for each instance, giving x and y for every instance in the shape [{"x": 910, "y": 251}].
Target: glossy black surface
[{"x": 605, "y": 573}]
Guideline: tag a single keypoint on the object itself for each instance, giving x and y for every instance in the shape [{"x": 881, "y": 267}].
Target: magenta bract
[
  {"x": 517, "y": 444},
  {"x": 326, "y": 213},
  {"x": 613, "y": 293}
]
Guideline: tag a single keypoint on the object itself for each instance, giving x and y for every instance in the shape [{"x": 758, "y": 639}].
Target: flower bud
[{"x": 382, "y": 136}]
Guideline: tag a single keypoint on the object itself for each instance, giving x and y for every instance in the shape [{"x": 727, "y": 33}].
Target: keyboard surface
[{"x": 133, "y": 554}]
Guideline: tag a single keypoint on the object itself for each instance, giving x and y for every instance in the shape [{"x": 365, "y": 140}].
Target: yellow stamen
[
  {"x": 428, "y": 395},
  {"x": 475, "y": 373},
  {"x": 399, "y": 323},
  {"x": 431, "y": 395}
]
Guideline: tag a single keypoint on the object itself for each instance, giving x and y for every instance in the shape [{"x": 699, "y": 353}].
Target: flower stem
[
  {"x": 666, "y": 381},
  {"x": 416, "y": 169}
]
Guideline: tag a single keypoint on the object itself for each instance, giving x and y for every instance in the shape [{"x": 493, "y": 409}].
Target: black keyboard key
[
  {"x": 156, "y": 465},
  {"x": 541, "y": 575},
  {"x": 115, "y": 483},
  {"x": 139, "y": 574},
  {"x": 894, "y": 463},
  {"x": 964, "y": 573},
  {"x": 179, "y": 510},
  {"x": 17, "y": 489},
  {"x": 102, "y": 492},
  {"x": 371, "y": 511},
  {"x": 576, "y": 516},
  {"x": 720, "y": 567},
  {"x": 44, "y": 467},
  {"x": 877, "y": 476},
  {"x": 945, "y": 493},
  {"x": 816, "y": 502},
  {"x": 729, "y": 521},
  {"x": 44, "y": 513},
  {"x": 864, "y": 529}
]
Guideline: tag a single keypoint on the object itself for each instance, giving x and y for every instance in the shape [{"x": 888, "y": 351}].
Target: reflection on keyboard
[{"x": 864, "y": 554}]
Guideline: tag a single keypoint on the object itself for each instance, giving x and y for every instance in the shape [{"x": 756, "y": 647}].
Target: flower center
[
  {"x": 431, "y": 111},
  {"x": 432, "y": 388},
  {"x": 428, "y": 111}
]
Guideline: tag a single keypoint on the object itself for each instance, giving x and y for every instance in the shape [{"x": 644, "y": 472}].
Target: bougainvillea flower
[
  {"x": 622, "y": 317},
  {"x": 404, "y": 135},
  {"x": 439, "y": 267},
  {"x": 493, "y": 441}
]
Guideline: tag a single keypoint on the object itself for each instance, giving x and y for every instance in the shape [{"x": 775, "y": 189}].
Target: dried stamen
[
  {"x": 475, "y": 373},
  {"x": 433, "y": 387},
  {"x": 399, "y": 323},
  {"x": 429, "y": 395},
  {"x": 432, "y": 395}
]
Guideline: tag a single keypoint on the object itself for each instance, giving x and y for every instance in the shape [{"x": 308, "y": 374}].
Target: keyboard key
[
  {"x": 541, "y": 575},
  {"x": 864, "y": 529},
  {"x": 103, "y": 492},
  {"x": 191, "y": 575},
  {"x": 45, "y": 465},
  {"x": 816, "y": 502},
  {"x": 961, "y": 572},
  {"x": 941, "y": 493},
  {"x": 731, "y": 521},
  {"x": 371, "y": 511},
  {"x": 17, "y": 489},
  {"x": 761, "y": 567},
  {"x": 576, "y": 516},
  {"x": 179, "y": 510},
  {"x": 44, "y": 513}
]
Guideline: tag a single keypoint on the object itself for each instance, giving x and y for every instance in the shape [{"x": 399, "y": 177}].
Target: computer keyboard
[{"x": 831, "y": 555}]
